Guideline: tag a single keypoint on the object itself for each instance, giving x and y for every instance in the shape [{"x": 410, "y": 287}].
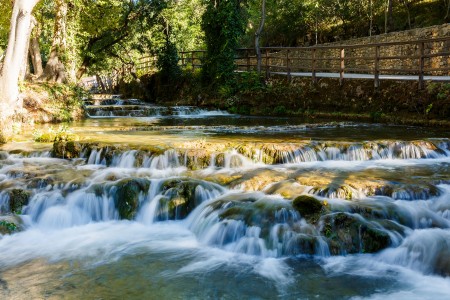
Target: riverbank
[
  {"x": 45, "y": 103},
  {"x": 395, "y": 102}
]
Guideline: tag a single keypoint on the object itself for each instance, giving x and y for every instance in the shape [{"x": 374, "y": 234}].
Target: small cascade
[
  {"x": 254, "y": 155},
  {"x": 117, "y": 107},
  {"x": 256, "y": 225},
  {"x": 210, "y": 206},
  {"x": 124, "y": 160},
  {"x": 4, "y": 202},
  {"x": 95, "y": 158}
]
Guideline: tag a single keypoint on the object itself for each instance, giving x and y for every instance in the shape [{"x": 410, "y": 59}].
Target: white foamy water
[{"x": 190, "y": 226}]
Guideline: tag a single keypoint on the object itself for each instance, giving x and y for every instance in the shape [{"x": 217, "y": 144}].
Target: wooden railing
[
  {"x": 146, "y": 64},
  {"x": 420, "y": 58},
  {"x": 193, "y": 59}
]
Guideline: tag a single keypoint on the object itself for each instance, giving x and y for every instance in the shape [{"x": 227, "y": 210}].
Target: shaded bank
[
  {"x": 398, "y": 102},
  {"x": 47, "y": 103}
]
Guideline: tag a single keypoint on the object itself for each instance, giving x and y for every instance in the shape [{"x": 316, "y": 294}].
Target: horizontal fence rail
[{"x": 427, "y": 59}]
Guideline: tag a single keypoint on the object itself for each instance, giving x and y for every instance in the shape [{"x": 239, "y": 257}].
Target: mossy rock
[
  {"x": 197, "y": 159},
  {"x": 10, "y": 224},
  {"x": 307, "y": 205},
  {"x": 181, "y": 196},
  {"x": 3, "y": 155},
  {"x": 66, "y": 149},
  {"x": 348, "y": 234},
  {"x": 126, "y": 193},
  {"x": 17, "y": 199}
]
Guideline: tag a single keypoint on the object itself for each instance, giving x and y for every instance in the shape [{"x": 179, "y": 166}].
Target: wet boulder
[
  {"x": 308, "y": 206},
  {"x": 256, "y": 210},
  {"x": 18, "y": 198},
  {"x": 10, "y": 224},
  {"x": 3, "y": 155},
  {"x": 258, "y": 180},
  {"x": 196, "y": 159},
  {"x": 126, "y": 195},
  {"x": 66, "y": 149},
  {"x": 351, "y": 233},
  {"x": 182, "y": 196}
]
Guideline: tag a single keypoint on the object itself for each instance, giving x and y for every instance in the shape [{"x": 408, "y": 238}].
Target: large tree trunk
[
  {"x": 16, "y": 52},
  {"x": 55, "y": 69},
  {"x": 35, "y": 52},
  {"x": 258, "y": 35}
]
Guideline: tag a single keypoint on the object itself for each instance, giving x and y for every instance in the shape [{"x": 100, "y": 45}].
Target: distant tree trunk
[
  {"x": 10, "y": 73},
  {"x": 84, "y": 66},
  {"x": 389, "y": 18},
  {"x": 55, "y": 69},
  {"x": 448, "y": 11},
  {"x": 406, "y": 5},
  {"x": 370, "y": 17},
  {"x": 101, "y": 83},
  {"x": 35, "y": 52},
  {"x": 258, "y": 35}
]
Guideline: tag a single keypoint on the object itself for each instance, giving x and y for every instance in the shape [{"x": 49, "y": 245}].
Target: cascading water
[{"x": 298, "y": 218}]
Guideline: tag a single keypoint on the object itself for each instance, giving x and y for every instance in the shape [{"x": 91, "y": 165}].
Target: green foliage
[
  {"x": 63, "y": 133},
  {"x": 250, "y": 81},
  {"x": 376, "y": 116},
  {"x": 167, "y": 62},
  {"x": 280, "y": 110},
  {"x": 296, "y": 22},
  {"x": 5, "y": 12},
  {"x": 111, "y": 32},
  {"x": 428, "y": 109},
  {"x": 7, "y": 227},
  {"x": 223, "y": 23}
]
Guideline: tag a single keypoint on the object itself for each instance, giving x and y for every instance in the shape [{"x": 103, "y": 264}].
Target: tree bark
[
  {"x": 35, "y": 52},
  {"x": 389, "y": 18},
  {"x": 448, "y": 11},
  {"x": 10, "y": 73},
  {"x": 55, "y": 70},
  {"x": 406, "y": 5},
  {"x": 258, "y": 36}
]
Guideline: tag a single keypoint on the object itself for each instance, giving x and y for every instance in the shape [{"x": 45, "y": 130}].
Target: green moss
[
  {"x": 7, "y": 227},
  {"x": 17, "y": 199},
  {"x": 66, "y": 149},
  {"x": 127, "y": 196},
  {"x": 307, "y": 205},
  {"x": 348, "y": 234}
]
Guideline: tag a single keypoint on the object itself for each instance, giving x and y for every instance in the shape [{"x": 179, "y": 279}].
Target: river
[{"x": 186, "y": 203}]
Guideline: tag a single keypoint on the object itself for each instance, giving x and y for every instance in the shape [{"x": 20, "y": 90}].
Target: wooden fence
[{"x": 399, "y": 60}]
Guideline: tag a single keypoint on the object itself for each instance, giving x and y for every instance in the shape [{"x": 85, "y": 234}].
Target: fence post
[
  {"x": 267, "y": 63},
  {"x": 313, "y": 66},
  {"x": 248, "y": 59},
  {"x": 421, "y": 64},
  {"x": 377, "y": 67},
  {"x": 341, "y": 73},
  {"x": 288, "y": 65}
]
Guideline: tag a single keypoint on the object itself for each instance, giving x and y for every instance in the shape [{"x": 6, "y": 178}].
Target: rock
[
  {"x": 126, "y": 195},
  {"x": 10, "y": 224},
  {"x": 307, "y": 205},
  {"x": 66, "y": 149},
  {"x": 3, "y": 155},
  {"x": 197, "y": 159},
  {"x": 351, "y": 233},
  {"x": 17, "y": 199},
  {"x": 181, "y": 197},
  {"x": 258, "y": 180},
  {"x": 288, "y": 189}
]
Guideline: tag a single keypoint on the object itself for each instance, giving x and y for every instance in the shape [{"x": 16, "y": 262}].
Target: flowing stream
[{"x": 185, "y": 203}]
